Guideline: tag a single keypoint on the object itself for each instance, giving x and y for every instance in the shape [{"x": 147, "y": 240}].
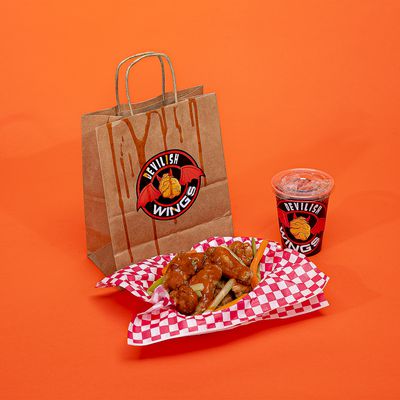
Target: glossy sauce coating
[
  {"x": 185, "y": 299},
  {"x": 243, "y": 251},
  {"x": 209, "y": 276},
  {"x": 231, "y": 267},
  {"x": 181, "y": 268}
]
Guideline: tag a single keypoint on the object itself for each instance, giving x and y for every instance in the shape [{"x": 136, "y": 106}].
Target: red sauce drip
[
  {"x": 194, "y": 118},
  {"x": 140, "y": 145},
  {"x": 178, "y": 126},
  {"x": 120, "y": 199}
]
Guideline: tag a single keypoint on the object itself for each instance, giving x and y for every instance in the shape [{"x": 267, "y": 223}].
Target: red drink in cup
[{"x": 302, "y": 196}]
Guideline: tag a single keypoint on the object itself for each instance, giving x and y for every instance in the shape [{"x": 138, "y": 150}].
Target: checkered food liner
[{"x": 290, "y": 285}]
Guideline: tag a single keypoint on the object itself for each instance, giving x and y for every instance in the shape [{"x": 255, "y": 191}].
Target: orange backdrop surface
[{"x": 311, "y": 83}]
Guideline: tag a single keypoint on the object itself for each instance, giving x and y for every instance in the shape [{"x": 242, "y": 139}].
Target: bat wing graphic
[
  {"x": 149, "y": 193},
  {"x": 189, "y": 172},
  {"x": 318, "y": 227},
  {"x": 283, "y": 218}
]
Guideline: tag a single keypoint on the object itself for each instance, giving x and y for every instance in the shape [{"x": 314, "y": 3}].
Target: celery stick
[
  {"x": 224, "y": 291},
  {"x": 155, "y": 284},
  {"x": 253, "y": 246},
  {"x": 197, "y": 287}
]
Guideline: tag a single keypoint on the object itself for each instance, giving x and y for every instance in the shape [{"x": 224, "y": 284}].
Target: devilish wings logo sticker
[
  {"x": 302, "y": 224},
  {"x": 168, "y": 184}
]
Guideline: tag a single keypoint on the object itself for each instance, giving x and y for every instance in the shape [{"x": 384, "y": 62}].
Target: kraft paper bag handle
[
  {"x": 130, "y": 58},
  {"x": 141, "y": 58}
]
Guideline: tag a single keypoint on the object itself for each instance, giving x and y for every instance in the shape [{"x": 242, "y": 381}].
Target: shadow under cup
[{"x": 302, "y": 196}]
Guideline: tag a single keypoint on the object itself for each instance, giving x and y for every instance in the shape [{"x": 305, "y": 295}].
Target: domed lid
[{"x": 302, "y": 183}]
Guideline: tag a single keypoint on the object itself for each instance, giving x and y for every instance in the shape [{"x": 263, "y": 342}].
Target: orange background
[{"x": 311, "y": 83}]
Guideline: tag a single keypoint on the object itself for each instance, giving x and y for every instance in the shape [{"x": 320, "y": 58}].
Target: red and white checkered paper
[{"x": 291, "y": 285}]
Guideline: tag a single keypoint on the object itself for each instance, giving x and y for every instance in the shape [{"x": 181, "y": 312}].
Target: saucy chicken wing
[
  {"x": 209, "y": 276},
  {"x": 227, "y": 299},
  {"x": 185, "y": 299},
  {"x": 198, "y": 282},
  {"x": 231, "y": 268},
  {"x": 239, "y": 289},
  {"x": 181, "y": 268},
  {"x": 243, "y": 251}
]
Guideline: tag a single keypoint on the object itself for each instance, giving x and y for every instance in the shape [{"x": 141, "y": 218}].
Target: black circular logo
[
  {"x": 168, "y": 184},
  {"x": 301, "y": 224}
]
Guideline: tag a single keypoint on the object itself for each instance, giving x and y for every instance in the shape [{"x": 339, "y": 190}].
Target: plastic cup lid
[{"x": 302, "y": 183}]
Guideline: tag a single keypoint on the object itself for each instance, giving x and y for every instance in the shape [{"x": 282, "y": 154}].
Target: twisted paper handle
[
  {"x": 130, "y": 58},
  {"x": 141, "y": 58}
]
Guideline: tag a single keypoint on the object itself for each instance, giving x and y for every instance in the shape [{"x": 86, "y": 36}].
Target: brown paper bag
[{"x": 154, "y": 175}]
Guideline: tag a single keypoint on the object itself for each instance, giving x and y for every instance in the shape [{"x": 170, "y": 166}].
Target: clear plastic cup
[{"x": 302, "y": 196}]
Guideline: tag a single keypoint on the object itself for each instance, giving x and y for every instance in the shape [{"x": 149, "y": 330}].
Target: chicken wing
[
  {"x": 239, "y": 289},
  {"x": 227, "y": 299},
  {"x": 243, "y": 251},
  {"x": 231, "y": 268},
  {"x": 181, "y": 268},
  {"x": 209, "y": 276},
  {"x": 185, "y": 299}
]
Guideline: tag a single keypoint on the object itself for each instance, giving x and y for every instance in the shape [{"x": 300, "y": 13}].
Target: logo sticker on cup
[
  {"x": 301, "y": 224},
  {"x": 168, "y": 184}
]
